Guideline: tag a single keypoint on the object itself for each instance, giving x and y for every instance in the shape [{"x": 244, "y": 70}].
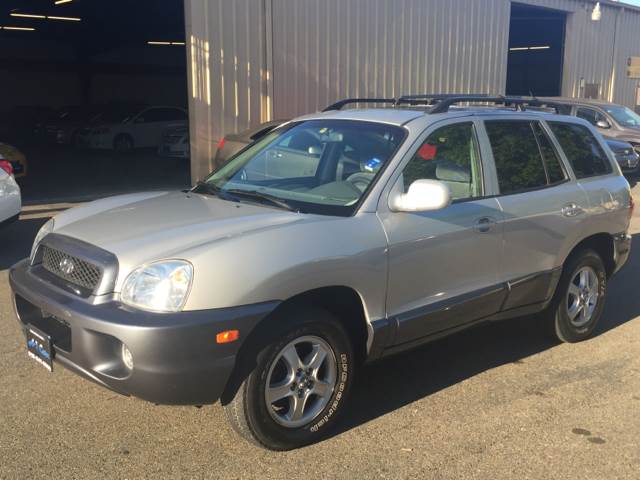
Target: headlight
[
  {"x": 46, "y": 229},
  {"x": 159, "y": 287}
]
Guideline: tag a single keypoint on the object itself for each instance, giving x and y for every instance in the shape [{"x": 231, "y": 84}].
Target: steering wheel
[{"x": 361, "y": 180}]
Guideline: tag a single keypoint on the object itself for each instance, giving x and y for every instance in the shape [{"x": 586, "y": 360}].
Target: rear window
[{"x": 582, "y": 149}]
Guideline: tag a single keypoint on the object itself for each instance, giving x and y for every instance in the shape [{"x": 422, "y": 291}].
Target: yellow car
[{"x": 16, "y": 158}]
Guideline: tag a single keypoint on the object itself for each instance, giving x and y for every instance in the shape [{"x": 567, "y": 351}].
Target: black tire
[
  {"x": 249, "y": 413},
  {"x": 123, "y": 143},
  {"x": 564, "y": 328}
]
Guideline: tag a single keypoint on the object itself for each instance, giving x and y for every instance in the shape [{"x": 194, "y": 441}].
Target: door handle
[
  {"x": 571, "y": 210},
  {"x": 484, "y": 225}
]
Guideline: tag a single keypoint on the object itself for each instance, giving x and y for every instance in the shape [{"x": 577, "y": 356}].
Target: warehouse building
[
  {"x": 73, "y": 71},
  {"x": 250, "y": 61}
]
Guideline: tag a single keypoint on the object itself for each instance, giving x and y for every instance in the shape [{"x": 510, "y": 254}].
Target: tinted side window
[
  {"x": 517, "y": 157},
  {"x": 555, "y": 172},
  {"x": 450, "y": 155},
  {"x": 590, "y": 115},
  {"x": 582, "y": 149}
]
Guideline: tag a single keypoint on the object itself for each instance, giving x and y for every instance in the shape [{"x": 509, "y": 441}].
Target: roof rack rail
[
  {"x": 444, "y": 102},
  {"x": 340, "y": 104},
  {"x": 431, "y": 99}
]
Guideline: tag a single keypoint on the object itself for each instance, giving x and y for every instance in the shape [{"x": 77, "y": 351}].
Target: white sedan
[
  {"x": 141, "y": 129},
  {"x": 10, "y": 199}
]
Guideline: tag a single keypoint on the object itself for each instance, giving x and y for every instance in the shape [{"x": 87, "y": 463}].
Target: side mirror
[
  {"x": 603, "y": 124},
  {"x": 423, "y": 196}
]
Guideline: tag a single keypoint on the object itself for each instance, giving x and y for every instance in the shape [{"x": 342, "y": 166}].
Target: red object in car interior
[
  {"x": 428, "y": 152},
  {"x": 6, "y": 166}
]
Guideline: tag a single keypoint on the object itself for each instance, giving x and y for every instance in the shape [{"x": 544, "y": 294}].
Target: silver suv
[{"x": 338, "y": 238}]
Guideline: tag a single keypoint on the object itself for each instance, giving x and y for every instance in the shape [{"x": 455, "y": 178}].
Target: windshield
[
  {"x": 316, "y": 166},
  {"x": 624, "y": 116}
]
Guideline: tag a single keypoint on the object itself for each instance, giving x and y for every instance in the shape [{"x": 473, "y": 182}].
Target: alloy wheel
[{"x": 301, "y": 381}]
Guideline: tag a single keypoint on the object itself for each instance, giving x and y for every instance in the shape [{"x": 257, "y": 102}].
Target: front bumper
[
  {"x": 628, "y": 163},
  {"x": 176, "y": 359}
]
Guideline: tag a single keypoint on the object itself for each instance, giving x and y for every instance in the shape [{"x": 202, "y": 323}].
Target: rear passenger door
[
  {"x": 605, "y": 188},
  {"x": 543, "y": 208}
]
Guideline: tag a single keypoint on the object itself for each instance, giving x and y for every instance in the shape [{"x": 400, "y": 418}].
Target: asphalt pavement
[{"x": 502, "y": 401}]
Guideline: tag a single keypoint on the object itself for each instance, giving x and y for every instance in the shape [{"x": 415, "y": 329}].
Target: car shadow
[
  {"x": 16, "y": 240},
  {"x": 392, "y": 383}
]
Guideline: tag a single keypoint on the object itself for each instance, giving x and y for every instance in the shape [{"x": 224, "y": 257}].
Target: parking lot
[{"x": 500, "y": 401}]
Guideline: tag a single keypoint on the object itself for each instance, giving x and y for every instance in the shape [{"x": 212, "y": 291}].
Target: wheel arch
[
  {"x": 603, "y": 244},
  {"x": 345, "y": 303}
]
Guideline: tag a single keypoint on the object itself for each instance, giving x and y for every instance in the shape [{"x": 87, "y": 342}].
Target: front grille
[{"x": 70, "y": 268}]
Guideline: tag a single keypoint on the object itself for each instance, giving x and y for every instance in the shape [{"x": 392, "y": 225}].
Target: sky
[{"x": 632, "y": 2}]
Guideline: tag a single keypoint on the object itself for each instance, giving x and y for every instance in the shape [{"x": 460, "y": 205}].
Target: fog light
[{"x": 127, "y": 357}]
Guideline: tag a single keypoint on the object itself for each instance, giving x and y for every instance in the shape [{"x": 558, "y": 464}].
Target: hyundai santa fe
[{"x": 336, "y": 239}]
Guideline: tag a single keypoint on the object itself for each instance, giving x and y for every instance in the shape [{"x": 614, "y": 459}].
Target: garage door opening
[
  {"x": 94, "y": 95},
  {"x": 536, "y": 51}
]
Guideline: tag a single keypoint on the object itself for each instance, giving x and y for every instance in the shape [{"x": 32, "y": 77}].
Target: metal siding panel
[
  {"x": 251, "y": 60},
  {"x": 385, "y": 48},
  {"x": 227, "y": 73}
]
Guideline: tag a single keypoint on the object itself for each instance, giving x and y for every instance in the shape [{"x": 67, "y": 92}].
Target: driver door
[{"x": 443, "y": 265}]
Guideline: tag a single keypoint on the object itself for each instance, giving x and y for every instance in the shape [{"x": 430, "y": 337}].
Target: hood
[
  {"x": 617, "y": 145},
  {"x": 144, "y": 227}
]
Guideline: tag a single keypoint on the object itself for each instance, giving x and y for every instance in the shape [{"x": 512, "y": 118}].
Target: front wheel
[
  {"x": 298, "y": 386},
  {"x": 580, "y": 297}
]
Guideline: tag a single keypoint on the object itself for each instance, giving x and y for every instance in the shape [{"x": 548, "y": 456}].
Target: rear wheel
[
  {"x": 580, "y": 297},
  {"x": 298, "y": 386}
]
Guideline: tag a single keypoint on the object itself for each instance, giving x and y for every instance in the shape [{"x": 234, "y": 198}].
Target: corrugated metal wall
[
  {"x": 324, "y": 50},
  {"x": 252, "y": 60},
  {"x": 227, "y": 71}
]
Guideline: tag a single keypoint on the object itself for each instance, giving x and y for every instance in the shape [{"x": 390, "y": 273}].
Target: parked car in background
[
  {"x": 628, "y": 159},
  {"x": 611, "y": 120},
  {"x": 232, "y": 143},
  {"x": 63, "y": 128},
  {"x": 16, "y": 158},
  {"x": 175, "y": 143},
  {"x": 10, "y": 199},
  {"x": 138, "y": 129},
  {"x": 115, "y": 113},
  {"x": 337, "y": 239}
]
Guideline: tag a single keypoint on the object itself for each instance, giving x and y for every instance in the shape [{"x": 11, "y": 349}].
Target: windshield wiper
[
  {"x": 278, "y": 202},
  {"x": 207, "y": 188}
]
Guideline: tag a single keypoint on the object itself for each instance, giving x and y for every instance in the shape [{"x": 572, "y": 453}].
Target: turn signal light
[{"x": 227, "y": 336}]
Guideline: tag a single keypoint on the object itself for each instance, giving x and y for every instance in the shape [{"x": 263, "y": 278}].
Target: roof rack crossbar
[
  {"x": 440, "y": 103},
  {"x": 342, "y": 103}
]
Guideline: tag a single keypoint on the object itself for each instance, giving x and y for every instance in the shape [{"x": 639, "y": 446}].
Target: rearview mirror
[
  {"x": 422, "y": 196},
  {"x": 603, "y": 124}
]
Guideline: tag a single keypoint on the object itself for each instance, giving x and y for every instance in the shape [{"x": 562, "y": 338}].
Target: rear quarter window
[{"x": 582, "y": 149}]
